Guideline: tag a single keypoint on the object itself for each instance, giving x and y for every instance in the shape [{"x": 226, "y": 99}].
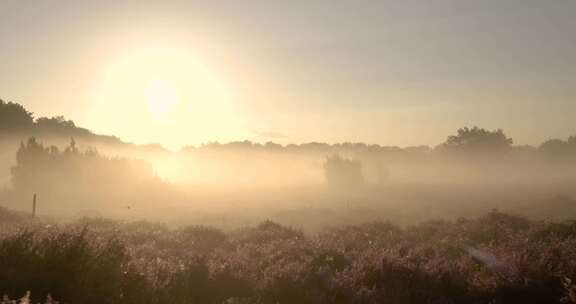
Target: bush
[{"x": 494, "y": 259}]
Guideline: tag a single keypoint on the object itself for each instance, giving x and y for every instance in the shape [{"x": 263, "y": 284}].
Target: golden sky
[{"x": 388, "y": 72}]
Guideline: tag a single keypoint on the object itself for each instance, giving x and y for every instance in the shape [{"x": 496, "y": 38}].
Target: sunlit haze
[
  {"x": 375, "y": 71},
  {"x": 288, "y": 152},
  {"x": 168, "y": 96}
]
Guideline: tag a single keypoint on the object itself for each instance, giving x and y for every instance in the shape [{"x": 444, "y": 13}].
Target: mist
[
  {"x": 295, "y": 152},
  {"x": 75, "y": 173}
]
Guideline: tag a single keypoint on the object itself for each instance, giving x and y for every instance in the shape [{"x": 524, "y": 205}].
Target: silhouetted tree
[
  {"x": 30, "y": 157},
  {"x": 73, "y": 173},
  {"x": 559, "y": 149},
  {"x": 477, "y": 140},
  {"x": 15, "y": 120},
  {"x": 14, "y": 117},
  {"x": 59, "y": 126}
]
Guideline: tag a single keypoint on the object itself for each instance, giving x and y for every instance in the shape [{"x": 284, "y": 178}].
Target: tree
[
  {"x": 14, "y": 117},
  {"x": 58, "y": 125},
  {"x": 30, "y": 164},
  {"x": 15, "y": 120},
  {"x": 477, "y": 140},
  {"x": 74, "y": 175},
  {"x": 559, "y": 149}
]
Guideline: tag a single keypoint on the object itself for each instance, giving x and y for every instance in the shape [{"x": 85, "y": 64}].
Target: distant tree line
[{"x": 474, "y": 141}]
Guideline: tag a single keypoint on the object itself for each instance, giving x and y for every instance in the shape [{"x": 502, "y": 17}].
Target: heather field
[
  {"x": 497, "y": 258},
  {"x": 287, "y": 152}
]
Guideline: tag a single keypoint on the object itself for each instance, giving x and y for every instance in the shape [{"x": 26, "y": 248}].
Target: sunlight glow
[
  {"x": 162, "y": 98},
  {"x": 169, "y": 96}
]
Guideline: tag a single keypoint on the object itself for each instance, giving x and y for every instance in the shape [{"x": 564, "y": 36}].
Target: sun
[
  {"x": 172, "y": 96},
  {"x": 162, "y": 99}
]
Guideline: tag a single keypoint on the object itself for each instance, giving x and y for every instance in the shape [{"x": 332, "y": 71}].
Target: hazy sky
[{"x": 390, "y": 72}]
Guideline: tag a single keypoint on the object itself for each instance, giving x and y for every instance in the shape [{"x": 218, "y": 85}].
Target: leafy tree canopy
[
  {"x": 16, "y": 120},
  {"x": 477, "y": 140},
  {"x": 14, "y": 117}
]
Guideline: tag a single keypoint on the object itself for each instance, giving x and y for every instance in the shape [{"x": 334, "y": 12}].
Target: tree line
[{"x": 15, "y": 119}]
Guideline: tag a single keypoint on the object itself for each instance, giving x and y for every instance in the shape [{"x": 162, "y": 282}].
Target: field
[
  {"x": 288, "y": 152},
  {"x": 497, "y": 258}
]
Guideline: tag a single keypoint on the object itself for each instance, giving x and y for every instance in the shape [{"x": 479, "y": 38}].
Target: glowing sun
[
  {"x": 162, "y": 98},
  {"x": 173, "y": 96}
]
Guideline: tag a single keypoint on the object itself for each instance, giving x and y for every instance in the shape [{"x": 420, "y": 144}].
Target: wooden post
[{"x": 34, "y": 205}]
